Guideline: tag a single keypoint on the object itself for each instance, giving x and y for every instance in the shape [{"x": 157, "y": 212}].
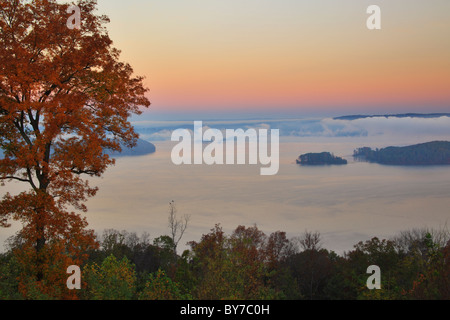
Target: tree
[
  {"x": 231, "y": 267},
  {"x": 311, "y": 267},
  {"x": 64, "y": 99},
  {"x": 278, "y": 248},
  {"x": 310, "y": 241},
  {"x": 9, "y": 274},
  {"x": 433, "y": 282},
  {"x": 277, "y": 251},
  {"x": 177, "y": 226},
  {"x": 112, "y": 280},
  {"x": 211, "y": 265},
  {"x": 383, "y": 254},
  {"x": 166, "y": 257},
  {"x": 248, "y": 254},
  {"x": 160, "y": 287}
]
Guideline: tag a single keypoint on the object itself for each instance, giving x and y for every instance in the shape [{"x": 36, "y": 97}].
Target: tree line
[{"x": 246, "y": 265}]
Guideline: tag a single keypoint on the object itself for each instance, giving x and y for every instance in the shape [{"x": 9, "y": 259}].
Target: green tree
[
  {"x": 383, "y": 254},
  {"x": 160, "y": 287},
  {"x": 9, "y": 277},
  {"x": 112, "y": 280},
  {"x": 433, "y": 283}
]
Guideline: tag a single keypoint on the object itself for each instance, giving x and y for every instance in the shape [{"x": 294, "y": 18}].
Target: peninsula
[{"x": 429, "y": 153}]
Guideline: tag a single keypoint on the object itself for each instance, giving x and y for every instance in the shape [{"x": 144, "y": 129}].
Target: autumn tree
[
  {"x": 65, "y": 97},
  {"x": 235, "y": 266},
  {"x": 278, "y": 248},
  {"x": 211, "y": 265}
]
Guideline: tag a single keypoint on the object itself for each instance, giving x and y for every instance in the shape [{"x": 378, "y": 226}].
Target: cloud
[
  {"x": 410, "y": 127},
  {"x": 161, "y": 135},
  {"x": 379, "y": 126}
]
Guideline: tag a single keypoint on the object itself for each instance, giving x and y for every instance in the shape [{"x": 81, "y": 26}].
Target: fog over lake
[{"x": 346, "y": 204}]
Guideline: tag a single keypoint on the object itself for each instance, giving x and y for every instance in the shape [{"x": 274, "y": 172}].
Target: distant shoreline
[{"x": 401, "y": 115}]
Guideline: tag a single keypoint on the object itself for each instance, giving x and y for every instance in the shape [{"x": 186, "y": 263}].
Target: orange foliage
[
  {"x": 237, "y": 266},
  {"x": 64, "y": 98}
]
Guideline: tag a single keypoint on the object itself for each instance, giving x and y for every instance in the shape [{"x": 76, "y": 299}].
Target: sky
[{"x": 290, "y": 56}]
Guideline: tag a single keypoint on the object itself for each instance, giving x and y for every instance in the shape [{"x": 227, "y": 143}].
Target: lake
[{"x": 346, "y": 204}]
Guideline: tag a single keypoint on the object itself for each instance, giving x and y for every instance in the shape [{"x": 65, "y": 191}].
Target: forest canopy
[{"x": 248, "y": 264}]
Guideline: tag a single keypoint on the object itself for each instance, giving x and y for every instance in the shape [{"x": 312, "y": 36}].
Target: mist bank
[
  {"x": 401, "y": 115},
  {"x": 420, "y": 126}
]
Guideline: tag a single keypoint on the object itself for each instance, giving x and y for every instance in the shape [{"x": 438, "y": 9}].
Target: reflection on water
[{"x": 346, "y": 204}]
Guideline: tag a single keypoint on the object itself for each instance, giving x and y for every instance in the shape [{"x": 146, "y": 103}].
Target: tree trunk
[
  {"x": 40, "y": 244},
  {"x": 41, "y": 217}
]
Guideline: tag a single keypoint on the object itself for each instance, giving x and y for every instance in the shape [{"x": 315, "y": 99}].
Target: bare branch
[
  {"x": 310, "y": 241},
  {"x": 177, "y": 226}
]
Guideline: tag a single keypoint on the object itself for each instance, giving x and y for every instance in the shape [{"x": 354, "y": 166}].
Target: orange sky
[{"x": 286, "y": 54}]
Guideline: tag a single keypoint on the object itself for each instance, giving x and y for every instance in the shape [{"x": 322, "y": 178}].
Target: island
[
  {"x": 429, "y": 153},
  {"x": 323, "y": 158}
]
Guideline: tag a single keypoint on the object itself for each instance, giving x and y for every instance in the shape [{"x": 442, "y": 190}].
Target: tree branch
[{"x": 15, "y": 178}]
